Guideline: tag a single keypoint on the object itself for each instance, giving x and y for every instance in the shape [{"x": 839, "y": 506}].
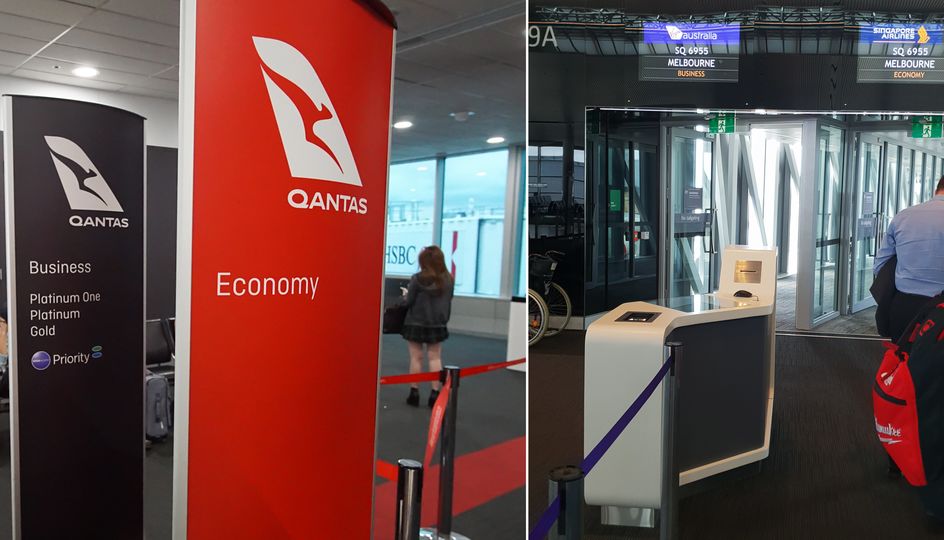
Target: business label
[
  {"x": 280, "y": 293},
  {"x": 74, "y": 179},
  {"x": 900, "y": 53},
  {"x": 699, "y": 52}
]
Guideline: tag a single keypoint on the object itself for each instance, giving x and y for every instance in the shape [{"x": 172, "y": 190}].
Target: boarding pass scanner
[{"x": 726, "y": 382}]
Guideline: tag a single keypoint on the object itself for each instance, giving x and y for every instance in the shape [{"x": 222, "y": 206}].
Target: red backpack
[{"x": 908, "y": 398}]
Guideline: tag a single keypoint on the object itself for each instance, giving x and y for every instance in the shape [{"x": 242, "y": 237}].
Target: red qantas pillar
[{"x": 284, "y": 148}]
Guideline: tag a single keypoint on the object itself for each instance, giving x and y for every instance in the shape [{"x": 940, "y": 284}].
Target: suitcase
[{"x": 158, "y": 401}]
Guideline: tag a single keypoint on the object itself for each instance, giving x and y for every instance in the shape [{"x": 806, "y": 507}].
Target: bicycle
[{"x": 549, "y": 306}]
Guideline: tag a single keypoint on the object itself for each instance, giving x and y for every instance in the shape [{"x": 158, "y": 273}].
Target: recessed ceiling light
[
  {"x": 403, "y": 124},
  {"x": 495, "y": 140},
  {"x": 462, "y": 116},
  {"x": 480, "y": 173},
  {"x": 422, "y": 168},
  {"x": 85, "y": 71}
]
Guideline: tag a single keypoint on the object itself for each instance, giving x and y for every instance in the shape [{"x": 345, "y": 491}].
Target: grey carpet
[
  {"x": 859, "y": 323},
  {"x": 825, "y": 477}
]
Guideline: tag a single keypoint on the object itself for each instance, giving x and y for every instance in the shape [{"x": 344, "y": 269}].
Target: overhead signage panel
[
  {"x": 676, "y": 51},
  {"x": 74, "y": 181},
  {"x": 901, "y": 53}
]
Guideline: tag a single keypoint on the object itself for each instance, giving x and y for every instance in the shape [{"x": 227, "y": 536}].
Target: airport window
[
  {"x": 410, "y": 215},
  {"x": 473, "y": 217}
]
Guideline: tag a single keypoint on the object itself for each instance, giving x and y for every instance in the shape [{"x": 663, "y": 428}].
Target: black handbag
[{"x": 393, "y": 319}]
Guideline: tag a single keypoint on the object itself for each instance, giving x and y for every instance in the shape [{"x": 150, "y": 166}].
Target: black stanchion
[
  {"x": 409, "y": 499},
  {"x": 668, "y": 513},
  {"x": 566, "y": 485},
  {"x": 447, "y": 459}
]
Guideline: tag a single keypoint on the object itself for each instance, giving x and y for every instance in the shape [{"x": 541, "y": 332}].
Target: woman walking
[{"x": 428, "y": 299}]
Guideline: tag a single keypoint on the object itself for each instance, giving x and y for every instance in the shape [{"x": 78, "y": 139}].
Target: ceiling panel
[
  {"x": 30, "y": 28},
  {"x": 65, "y": 68},
  {"x": 9, "y": 59},
  {"x": 53, "y": 11},
  {"x": 20, "y": 44},
  {"x": 66, "y": 79},
  {"x": 96, "y": 41},
  {"x": 134, "y": 28},
  {"x": 162, "y": 11},
  {"x": 102, "y": 60}
]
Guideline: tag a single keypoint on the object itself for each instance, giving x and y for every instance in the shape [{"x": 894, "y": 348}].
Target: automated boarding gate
[
  {"x": 822, "y": 188},
  {"x": 726, "y": 402}
]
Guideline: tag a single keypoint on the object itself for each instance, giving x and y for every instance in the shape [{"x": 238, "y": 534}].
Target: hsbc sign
[{"x": 309, "y": 156}]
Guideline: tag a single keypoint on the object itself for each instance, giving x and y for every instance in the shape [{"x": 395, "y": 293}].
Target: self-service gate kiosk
[{"x": 725, "y": 401}]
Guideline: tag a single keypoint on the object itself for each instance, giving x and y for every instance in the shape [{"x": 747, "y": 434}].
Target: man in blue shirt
[{"x": 916, "y": 236}]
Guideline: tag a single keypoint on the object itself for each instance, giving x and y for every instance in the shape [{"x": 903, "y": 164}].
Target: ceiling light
[
  {"x": 85, "y": 71},
  {"x": 403, "y": 124},
  {"x": 701, "y": 128},
  {"x": 495, "y": 140},
  {"x": 480, "y": 173},
  {"x": 422, "y": 168},
  {"x": 462, "y": 116}
]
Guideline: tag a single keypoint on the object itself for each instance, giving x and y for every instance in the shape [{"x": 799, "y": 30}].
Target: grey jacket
[{"x": 428, "y": 305}]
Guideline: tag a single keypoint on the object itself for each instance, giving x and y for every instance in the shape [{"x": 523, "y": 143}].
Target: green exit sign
[
  {"x": 722, "y": 123},
  {"x": 926, "y": 127}
]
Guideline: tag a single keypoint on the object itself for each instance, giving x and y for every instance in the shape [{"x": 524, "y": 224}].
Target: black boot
[
  {"x": 414, "y": 397},
  {"x": 432, "y": 398}
]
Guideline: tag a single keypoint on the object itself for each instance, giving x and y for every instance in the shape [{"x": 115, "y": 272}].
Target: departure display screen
[
  {"x": 693, "y": 52},
  {"x": 900, "y": 53}
]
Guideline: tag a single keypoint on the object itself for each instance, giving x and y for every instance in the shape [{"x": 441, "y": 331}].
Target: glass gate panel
[
  {"x": 904, "y": 183},
  {"x": 865, "y": 224},
  {"x": 827, "y": 228},
  {"x": 692, "y": 249}
]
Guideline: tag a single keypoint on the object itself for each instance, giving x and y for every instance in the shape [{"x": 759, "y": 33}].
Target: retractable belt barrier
[
  {"x": 429, "y": 376},
  {"x": 442, "y": 426},
  {"x": 551, "y": 514}
]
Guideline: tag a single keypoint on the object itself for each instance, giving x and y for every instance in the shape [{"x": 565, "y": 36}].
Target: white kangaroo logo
[{"x": 84, "y": 185}]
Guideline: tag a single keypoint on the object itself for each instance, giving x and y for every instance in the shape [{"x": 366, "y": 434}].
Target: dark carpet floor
[
  {"x": 825, "y": 477},
  {"x": 491, "y": 412}
]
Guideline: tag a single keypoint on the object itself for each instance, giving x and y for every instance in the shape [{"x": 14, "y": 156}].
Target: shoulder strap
[{"x": 914, "y": 327}]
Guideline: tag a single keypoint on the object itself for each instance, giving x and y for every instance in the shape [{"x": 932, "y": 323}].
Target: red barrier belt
[
  {"x": 410, "y": 378},
  {"x": 434, "y": 375},
  {"x": 435, "y": 422},
  {"x": 485, "y": 368}
]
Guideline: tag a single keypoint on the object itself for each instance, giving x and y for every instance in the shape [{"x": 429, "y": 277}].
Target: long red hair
[{"x": 433, "y": 267}]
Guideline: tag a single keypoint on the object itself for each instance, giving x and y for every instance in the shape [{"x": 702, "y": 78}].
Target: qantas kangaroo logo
[
  {"x": 84, "y": 185},
  {"x": 312, "y": 136}
]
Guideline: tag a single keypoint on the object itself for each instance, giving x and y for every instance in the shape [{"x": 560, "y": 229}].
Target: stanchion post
[
  {"x": 409, "y": 499},
  {"x": 668, "y": 515},
  {"x": 447, "y": 454},
  {"x": 566, "y": 484}
]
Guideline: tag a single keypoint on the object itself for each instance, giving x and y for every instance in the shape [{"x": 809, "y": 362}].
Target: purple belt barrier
[{"x": 550, "y": 515}]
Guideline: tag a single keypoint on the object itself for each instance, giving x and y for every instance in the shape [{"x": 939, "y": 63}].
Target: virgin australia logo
[
  {"x": 84, "y": 185},
  {"x": 312, "y": 136}
]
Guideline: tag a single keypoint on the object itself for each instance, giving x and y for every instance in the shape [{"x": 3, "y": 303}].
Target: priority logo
[
  {"x": 313, "y": 138},
  {"x": 83, "y": 184}
]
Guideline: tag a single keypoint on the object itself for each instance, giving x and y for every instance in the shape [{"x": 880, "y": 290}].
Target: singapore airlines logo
[
  {"x": 312, "y": 136},
  {"x": 84, "y": 185}
]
